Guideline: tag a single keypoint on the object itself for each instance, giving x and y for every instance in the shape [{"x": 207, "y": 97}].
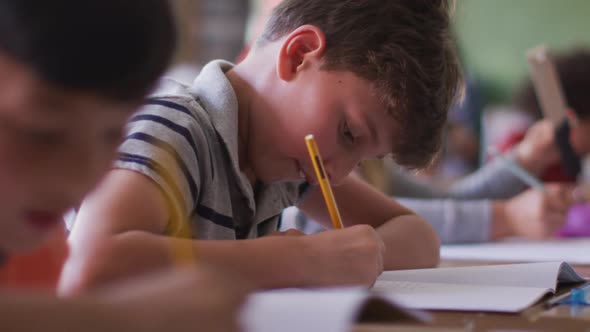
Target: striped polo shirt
[{"x": 185, "y": 138}]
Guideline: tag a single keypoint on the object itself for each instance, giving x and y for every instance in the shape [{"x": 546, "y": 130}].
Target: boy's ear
[{"x": 302, "y": 48}]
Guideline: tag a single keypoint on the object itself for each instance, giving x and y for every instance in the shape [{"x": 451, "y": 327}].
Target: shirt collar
[{"x": 213, "y": 90}]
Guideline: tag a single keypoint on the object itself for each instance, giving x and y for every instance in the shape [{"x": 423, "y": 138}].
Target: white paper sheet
[
  {"x": 501, "y": 288},
  {"x": 572, "y": 251},
  {"x": 298, "y": 310}
]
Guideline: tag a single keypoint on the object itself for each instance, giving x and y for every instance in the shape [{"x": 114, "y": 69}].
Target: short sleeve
[{"x": 162, "y": 143}]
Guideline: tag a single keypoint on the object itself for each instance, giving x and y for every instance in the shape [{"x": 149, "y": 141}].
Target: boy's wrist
[{"x": 306, "y": 273}]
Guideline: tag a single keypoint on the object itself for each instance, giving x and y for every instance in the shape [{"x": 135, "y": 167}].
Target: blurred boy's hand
[
  {"x": 534, "y": 214},
  {"x": 538, "y": 149},
  {"x": 349, "y": 256},
  {"x": 188, "y": 299}
]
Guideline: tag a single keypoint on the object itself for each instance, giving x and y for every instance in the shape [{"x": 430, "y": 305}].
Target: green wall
[{"x": 494, "y": 35}]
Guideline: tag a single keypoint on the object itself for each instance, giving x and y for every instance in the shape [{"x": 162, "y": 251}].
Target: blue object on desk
[{"x": 578, "y": 296}]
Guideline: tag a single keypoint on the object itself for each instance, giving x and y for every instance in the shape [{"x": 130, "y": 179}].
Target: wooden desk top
[{"x": 536, "y": 318}]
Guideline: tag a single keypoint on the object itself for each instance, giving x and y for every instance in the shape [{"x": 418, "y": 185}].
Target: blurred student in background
[
  {"x": 551, "y": 153},
  {"x": 572, "y": 135}
]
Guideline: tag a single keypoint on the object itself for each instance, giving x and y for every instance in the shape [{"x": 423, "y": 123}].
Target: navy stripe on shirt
[
  {"x": 170, "y": 149},
  {"x": 203, "y": 211},
  {"x": 261, "y": 226},
  {"x": 183, "y": 109},
  {"x": 170, "y": 105},
  {"x": 183, "y": 131},
  {"x": 156, "y": 167},
  {"x": 215, "y": 217}
]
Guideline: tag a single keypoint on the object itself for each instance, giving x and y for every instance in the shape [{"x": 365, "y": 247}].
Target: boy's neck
[
  {"x": 253, "y": 81},
  {"x": 244, "y": 93}
]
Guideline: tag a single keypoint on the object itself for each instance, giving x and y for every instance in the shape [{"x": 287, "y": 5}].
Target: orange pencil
[{"x": 320, "y": 171}]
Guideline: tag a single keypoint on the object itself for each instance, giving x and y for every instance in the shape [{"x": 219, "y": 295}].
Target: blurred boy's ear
[{"x": 301, "y": 49}]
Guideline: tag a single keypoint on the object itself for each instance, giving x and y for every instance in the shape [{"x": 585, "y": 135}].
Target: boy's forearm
[
  {"x": 33, "y": 312},
  {"x": 117, "y": 258},
  {"x": 410, "y": 242},
  {"x": 269, "y": 262},
  {"x": 338, "y": 257}
]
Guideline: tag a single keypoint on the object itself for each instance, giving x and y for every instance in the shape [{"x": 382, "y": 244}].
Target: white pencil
[{"x": 518, "y": 171}]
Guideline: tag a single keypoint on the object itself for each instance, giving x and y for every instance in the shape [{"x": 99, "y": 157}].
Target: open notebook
[
  {"x": 498, "y": 288},
  {"x": 326, "y": 310}
]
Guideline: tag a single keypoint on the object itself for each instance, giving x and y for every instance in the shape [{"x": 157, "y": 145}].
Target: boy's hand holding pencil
[
  {"x": 352, "y": 255},
  {"x": 349, "y": 256}
]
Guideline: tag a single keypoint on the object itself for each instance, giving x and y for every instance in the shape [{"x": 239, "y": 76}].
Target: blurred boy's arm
[
  {"x": 31, "y": 312},
  {"x": 409, "y": 239},
  {"x": 160, "y": 302},
  {"x": 119, "y": 232}
]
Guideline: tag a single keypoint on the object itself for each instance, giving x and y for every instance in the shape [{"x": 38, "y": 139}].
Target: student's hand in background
[
  {"x": 188, "y": 299},
  {"x": 534, "y": 214},
  {"x": 538, "y": 149},
  {"x": 349, "y": 256}
]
